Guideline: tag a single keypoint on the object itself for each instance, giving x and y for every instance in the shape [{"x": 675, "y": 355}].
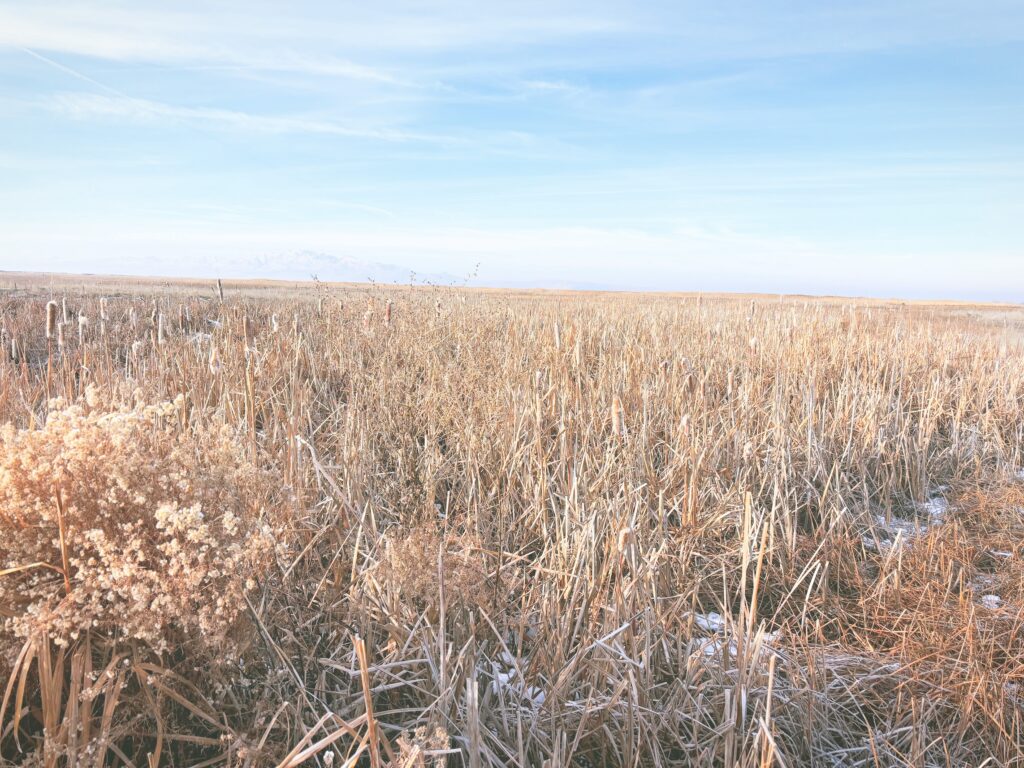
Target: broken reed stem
[
  {"x": 371, "y": 721},
  {"x": 63, "y": 542},
  {"x": 51, "y": 323}
]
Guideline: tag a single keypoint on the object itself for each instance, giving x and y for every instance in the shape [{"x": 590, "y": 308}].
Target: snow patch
[
  {"x": 992, "y": 602},
  {"x": 508, "y": 682}
]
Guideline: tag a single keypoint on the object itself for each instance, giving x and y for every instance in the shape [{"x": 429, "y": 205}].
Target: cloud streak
[{"x": 84, "y": 106}]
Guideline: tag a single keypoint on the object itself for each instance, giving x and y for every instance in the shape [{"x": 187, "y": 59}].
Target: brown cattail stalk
[
  {"x": 220, "y": 289},
  {"x": 51, "y": 319},
  {"x": 51, "y": 322},
  {"x": 248, "y": 334},
  {"x": 103, "y": 316},
  {"x": 387, "y": 314}
]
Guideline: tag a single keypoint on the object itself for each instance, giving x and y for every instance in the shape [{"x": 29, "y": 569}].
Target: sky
[{"x": 870, "y": 148}]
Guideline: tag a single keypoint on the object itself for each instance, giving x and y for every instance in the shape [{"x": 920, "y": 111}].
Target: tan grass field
[{"x": 317, "y": 524}]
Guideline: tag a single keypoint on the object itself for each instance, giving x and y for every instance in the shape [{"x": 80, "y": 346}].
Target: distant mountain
[{"x": 301, "y": 265}]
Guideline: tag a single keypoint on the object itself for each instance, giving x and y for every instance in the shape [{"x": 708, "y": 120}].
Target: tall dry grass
[{"x": 473, "y": 528}]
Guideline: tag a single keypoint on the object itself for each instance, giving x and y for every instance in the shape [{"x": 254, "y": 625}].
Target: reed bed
[{"x": 410, "y": 527}]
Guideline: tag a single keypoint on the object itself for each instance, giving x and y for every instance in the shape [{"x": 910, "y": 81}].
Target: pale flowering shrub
[{"x": 162, "y": 534}]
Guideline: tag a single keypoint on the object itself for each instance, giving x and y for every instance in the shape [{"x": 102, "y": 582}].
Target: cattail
[
  {"x": 214, "y": 361},
  {"x": 295, "y": 324},
  {"x": 14, "y": 349},
  {"x": 60, "y": 336},
  {"x": 103, "y": 316},
  {"x": 220, "y": 289},
  {"x": 65, "y": 317},
  {"x": 83, "y": 321},
  {"x": 160, "y": 328},
  {"x": 558, "y": 337},
  {"x": 437, "y": 307},
  {"x": 618, "y": 423},
  {"x": 133, "y": 317},
  {"x": 51, "y": 319},
  {"x": 367, "y": 319},
  {"x": 625, "y": 539},
  {"x": 387, "y": 314},
  {"x": 248, "y": 333},
  {"x": 273, "y": 323}
]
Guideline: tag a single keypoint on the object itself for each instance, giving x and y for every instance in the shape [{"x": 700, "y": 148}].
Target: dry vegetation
[{"x": 423, "y": 527}]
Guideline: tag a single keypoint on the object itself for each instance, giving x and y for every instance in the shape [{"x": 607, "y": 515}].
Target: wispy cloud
[{"x": 82, "y": 106}]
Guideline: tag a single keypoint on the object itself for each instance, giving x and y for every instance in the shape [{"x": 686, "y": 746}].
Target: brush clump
[{"x": 117, "y": 522}]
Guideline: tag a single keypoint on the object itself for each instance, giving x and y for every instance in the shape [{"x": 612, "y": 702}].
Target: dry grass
[{"x": 406, "y": 527}]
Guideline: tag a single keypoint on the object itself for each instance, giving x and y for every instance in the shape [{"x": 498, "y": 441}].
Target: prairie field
[{"x": 317, "y": 524}]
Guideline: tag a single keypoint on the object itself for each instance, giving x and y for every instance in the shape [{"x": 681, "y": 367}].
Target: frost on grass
[
  {"x": 930, "y": 513},
  {"x": 151, "y": 520}
]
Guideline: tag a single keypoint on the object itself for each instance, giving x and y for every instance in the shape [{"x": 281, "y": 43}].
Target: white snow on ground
[
  {"x": 507, "y": 682},
  {"x": 992, "y": 602},
  {"x": 711, "y": 622},
  {"x": 903, "y": 530}
]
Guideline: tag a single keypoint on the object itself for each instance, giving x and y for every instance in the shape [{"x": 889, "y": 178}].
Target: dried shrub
[
  {"x": 120, "y": 521},
  {"x": 410, "y": 567}
]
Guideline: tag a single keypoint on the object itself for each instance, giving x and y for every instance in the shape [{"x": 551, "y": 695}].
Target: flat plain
[{"x": 318, "y": 524}]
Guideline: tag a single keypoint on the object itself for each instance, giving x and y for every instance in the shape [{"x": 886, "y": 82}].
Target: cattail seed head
[
  {"x": 83, "y": 322},
  {"x": 618, "y": 422},
  {"x": 387, "y": 314},
  {"x": 51, "y": 319},
  {"x": 247, "y": 333}
]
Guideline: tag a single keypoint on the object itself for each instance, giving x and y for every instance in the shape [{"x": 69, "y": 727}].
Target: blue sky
[{"x": 859, "y": 148}]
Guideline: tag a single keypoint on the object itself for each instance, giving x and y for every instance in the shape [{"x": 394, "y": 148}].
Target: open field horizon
[
  {"x": 341, "y": 525},
  {"x": 85, "y": 281}
]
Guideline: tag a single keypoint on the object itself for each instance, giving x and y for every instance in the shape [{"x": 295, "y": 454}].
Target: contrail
[{"x": 75, "y": 73}]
